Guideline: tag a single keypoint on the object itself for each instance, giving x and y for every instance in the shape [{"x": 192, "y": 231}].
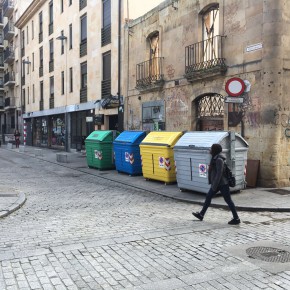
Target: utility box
[
  {"x": 192, "y": 158},
  {"x": 99, "y": 149},
  {"x": 127, "y": 152},
  {"x": 157, "y": 156}
]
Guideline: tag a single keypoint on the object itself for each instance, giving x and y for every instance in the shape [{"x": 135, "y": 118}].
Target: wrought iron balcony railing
[
  {"x": 41, "y": 106},
  {"x": 149, "y": 74},
  {"x": 51, "y": 101},
  {"x": 9, "y": 55},
  {"x": 205, "y": 59},
  {"x": 50, "y": 28},
  {"x": 106, "y": 35},
  {"x": 51, "y": 65},
  {"x": 8, "y": 7},
  {"x": 9, "y": 30},
  {"x": 106, "y": 88},
  {"x": 83, "y": 95},
  {"x": 83, "y": 48}
]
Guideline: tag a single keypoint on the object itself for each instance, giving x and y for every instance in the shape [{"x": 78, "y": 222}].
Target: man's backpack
[{"x": 229, "y": 175}]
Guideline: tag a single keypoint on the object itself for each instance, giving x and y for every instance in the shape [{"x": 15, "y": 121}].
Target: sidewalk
[{"x": 250, "y": 199}]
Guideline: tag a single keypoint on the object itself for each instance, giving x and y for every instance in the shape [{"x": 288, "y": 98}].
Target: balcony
[
  {"x": 51, "y": 101},
  {"x": 83, "y": 95},
  {"x": 1, "y": 60},
  {"x": 41, "y": 105},
  {"x": 8, "y": 31},
  {"x": 205, "y": 59},
  {"x": 2, "y": 103},
  {"x": 10, "y": 103},
  {"x": 1, "y": 19},
  {"x": 50, "y": 28},
  {"x": 1, "y": 84},
  {"x": 9, "y": 79},
  {"x": 51, "y": 65},
  {"x": 8, "y": 7},
  {"x": 1, "y": 41},
  {"x": 9, "y": 55},
  {"x": 149, "y": 75},
  {"x": 40, "y": 37},
  {"x": 106, "y": 35},
  {"x": 83, "y": 48},
  {"x": 41, "y": 71},
  {"x": 106, "y": 89},
  {"x": 83, "y": 4}
]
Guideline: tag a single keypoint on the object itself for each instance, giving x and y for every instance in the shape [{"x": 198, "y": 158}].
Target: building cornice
[{"x": 29, "y": 13}]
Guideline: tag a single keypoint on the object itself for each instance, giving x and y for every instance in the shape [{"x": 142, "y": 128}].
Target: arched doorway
[{"x": 210, "y": 112}]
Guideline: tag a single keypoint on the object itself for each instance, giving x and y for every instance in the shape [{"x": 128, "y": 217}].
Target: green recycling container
[{"x": 99, "y": 149}]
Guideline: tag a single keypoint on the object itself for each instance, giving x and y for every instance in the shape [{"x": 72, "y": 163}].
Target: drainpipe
[{"x": 120, "y": 113}]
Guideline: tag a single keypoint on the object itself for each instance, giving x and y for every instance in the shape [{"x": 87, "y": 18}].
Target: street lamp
[{"x": 62, "y": 38}]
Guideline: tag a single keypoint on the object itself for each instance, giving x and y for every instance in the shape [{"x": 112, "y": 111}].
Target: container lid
[
  {"x": 162, "y": 138},
  {"x": 204, "y": 139},
  {"x": 101, "y": 136},
  {"x": 132, "y": 137}
]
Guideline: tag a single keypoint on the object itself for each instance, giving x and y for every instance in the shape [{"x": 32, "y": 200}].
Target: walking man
[{"x": 218, "y": 182}]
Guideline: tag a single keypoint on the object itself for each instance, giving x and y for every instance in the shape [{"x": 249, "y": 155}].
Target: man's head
[{"x": 215, "y": 149}]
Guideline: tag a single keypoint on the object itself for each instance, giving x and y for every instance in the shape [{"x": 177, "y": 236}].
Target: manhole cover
[
  {"x": 269, "y": 254},
  {"x": 280, "y": 191}
]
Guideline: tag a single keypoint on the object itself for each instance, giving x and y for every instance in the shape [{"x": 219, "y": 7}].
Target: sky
[{"x": 138, "y": 8}]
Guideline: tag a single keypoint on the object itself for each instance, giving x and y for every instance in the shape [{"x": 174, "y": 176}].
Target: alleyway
[{"x": 78, "y": 231}]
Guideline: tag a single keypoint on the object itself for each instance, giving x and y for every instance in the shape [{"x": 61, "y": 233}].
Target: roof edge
[{"x": 29, "y": 13}]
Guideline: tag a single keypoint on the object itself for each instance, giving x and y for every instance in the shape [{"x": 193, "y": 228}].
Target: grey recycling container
[{"x": 192, "y": 158}]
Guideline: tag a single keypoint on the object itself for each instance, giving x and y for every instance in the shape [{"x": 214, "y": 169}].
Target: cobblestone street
[{"x": 78, "y": 231}]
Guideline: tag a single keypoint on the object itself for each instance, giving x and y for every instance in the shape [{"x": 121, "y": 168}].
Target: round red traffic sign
[{"x": 235, "y": 87}]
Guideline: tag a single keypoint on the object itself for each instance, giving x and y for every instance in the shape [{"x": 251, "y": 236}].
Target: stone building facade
[{"x": 183, "y": 58}]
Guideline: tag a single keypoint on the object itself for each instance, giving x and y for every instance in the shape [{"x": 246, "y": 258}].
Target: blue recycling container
[{"x": 127, "y": 152}]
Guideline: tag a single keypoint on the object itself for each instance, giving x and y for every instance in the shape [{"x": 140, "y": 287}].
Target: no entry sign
[{"x": 235, "y": 87}]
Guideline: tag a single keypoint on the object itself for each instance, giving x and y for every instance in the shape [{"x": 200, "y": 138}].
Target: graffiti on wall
[
  {"x": 170, "y": 71},
  {"x": 177, "y": 109}
]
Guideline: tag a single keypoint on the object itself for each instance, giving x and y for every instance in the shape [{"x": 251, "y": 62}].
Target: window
[
  {"x": 51, "y": 87},
  {"x": 70, "y": 79},
  {"x": 61, "y": 6},
  {"x": 83, "y": 75},
  {"x": 33, "y": 93},
  {"x": 28, "y": 97},
  {"x": 84, "y": 28},
  {"x": 33, "y": 61},
  {"x": 41, "y": 91},
  {"x": 70, "y": 2},
  {"x": 40, "y": 22},
  {"x": 70, "y": 36},
  {"x": 106, "y": 13},
  {"x": 32, "y": 29},
  {"x": 62, "y": 82},
  {"x": 27, "y": 35},
  {"x": 40, "y": 35},
  {"x": 50, "y": 12}
]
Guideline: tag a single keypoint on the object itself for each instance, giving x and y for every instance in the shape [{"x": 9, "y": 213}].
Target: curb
[{"x": 15, "y": 206}]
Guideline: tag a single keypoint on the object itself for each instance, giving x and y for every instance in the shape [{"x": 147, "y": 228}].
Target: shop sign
[{"x": 89, "y": 119}]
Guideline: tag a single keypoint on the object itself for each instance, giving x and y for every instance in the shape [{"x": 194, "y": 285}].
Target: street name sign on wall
[{"x": 234, "y": 100}]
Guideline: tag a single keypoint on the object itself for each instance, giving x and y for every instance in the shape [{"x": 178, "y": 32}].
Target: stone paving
[{"x": 80, "y": 231}]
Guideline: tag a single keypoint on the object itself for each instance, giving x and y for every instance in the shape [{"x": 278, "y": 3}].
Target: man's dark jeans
[{"x": 225, "y": 191}]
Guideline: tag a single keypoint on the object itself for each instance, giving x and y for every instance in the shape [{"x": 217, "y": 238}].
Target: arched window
[{"x": 210, "y": 112}]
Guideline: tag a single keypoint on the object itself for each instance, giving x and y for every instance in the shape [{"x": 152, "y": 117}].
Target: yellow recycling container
[{"x": 158, "y": 157}]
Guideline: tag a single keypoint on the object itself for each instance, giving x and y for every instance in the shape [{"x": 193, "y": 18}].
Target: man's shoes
[
  {"x": 234, "y": 222},
  {"x": 198, "y": 215}
]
